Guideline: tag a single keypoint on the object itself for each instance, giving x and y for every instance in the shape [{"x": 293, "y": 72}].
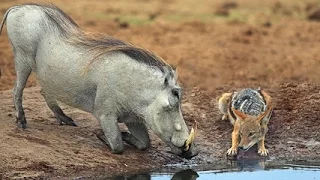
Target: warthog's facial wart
[{"x": 177, "y": 126}]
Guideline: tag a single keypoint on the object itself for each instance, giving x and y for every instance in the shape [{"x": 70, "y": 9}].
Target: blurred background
[{"x": 214, "y": 43}]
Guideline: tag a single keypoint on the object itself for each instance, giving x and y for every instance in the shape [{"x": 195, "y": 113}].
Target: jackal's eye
[{"x": 251, "y": 134}]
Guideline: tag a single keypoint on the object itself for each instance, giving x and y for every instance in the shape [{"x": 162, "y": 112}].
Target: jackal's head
[{"x": 252, "y": 129}]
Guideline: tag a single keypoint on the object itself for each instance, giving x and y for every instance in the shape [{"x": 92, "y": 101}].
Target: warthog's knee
[
  {"x": 144, "y": 145},
  {"x": 115, "y": 144},
  {"x": 117, "y": 148}
]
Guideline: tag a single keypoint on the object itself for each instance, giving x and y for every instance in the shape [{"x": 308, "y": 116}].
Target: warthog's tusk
[{"x": 191, "y": 136}]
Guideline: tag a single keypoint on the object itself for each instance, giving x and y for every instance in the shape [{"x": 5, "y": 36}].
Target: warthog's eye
[
  {"x": 240, "y": 134},
  {"x": 176, "y": 92}
]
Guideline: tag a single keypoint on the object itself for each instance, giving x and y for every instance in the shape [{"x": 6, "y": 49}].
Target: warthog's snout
[
  {"x": 191, "y": 152},
  {"x": 188, "y": 150},
  {"x": 182, "y": 152},
  {"x": 192, "y": 135}
]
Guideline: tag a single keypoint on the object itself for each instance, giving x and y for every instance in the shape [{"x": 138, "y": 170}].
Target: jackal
[{"x": 249, "y": 111}]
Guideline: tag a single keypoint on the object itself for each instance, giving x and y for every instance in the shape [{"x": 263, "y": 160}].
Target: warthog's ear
[
  {"x": 175, "y": 74},
  {"x": 239, "y": 114},
  {"x": 167, "y": 75}
]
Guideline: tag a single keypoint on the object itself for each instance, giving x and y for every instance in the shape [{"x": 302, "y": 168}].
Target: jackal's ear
[
  {"x": 263, "y": 118},
  {"x": 239, "y": 114}
]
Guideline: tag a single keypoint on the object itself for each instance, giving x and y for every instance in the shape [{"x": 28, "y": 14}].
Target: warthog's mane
[{"x": 97, "y": 44}]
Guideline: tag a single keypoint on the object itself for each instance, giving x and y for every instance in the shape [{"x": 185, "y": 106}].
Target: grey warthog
[{"x": 112, "y": 79}]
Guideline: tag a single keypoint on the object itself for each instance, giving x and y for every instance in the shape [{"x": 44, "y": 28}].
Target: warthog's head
[{"x": 165, "y": 119}]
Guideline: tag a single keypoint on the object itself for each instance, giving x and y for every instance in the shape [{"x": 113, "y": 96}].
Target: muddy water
[{"x": 249, "y": 170}]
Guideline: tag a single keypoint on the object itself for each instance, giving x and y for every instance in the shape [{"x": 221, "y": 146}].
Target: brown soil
[{"x": 279, "y": 55}]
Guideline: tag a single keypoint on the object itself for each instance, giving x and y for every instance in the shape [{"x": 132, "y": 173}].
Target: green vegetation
[{"x": 241, "y": 12}]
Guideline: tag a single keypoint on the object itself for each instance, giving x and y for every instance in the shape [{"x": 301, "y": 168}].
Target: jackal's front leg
[
  {"x": 235, "y": 140},
  {"x": 261, "y": 148}
]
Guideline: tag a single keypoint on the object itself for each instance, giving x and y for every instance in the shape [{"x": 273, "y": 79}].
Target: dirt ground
[{"x": 218, "y": 47}]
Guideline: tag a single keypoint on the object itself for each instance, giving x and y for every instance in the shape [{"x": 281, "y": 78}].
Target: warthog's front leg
[
  {"x": 110, "y": 134},
  {"x": 138, "y": 135}
]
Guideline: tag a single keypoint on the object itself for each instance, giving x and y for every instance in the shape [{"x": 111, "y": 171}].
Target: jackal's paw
[
  {"x": 232, "y": 151},
  {"x": 263, "y": 152}
]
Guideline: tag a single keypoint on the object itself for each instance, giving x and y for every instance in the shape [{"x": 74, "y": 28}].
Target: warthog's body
[{"x": 122, "y": 83}]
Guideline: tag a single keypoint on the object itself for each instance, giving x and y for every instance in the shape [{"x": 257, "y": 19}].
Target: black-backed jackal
[{"x": 249, "y": 111}]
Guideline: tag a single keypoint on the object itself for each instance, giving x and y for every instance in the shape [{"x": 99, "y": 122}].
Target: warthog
[{"x": 112, "y": 79}]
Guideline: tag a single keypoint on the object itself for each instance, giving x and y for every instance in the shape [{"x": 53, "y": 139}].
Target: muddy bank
[
  {"x": 47, "y": 149},
  {"x": 214, "y": 53}
]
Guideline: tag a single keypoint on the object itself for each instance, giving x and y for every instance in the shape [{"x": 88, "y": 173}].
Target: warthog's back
[
  {"x": 59, "y": 52},
  {"x": 45, "y": 18},
  {"x": 29, "y": 24}
]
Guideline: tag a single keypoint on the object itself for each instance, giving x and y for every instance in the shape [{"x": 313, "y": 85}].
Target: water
[
  {"x": 248, "y": 170},
  {"x": 277, "y": 174}
]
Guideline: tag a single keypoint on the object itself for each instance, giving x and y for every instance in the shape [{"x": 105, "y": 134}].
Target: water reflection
[
  {"x": 187, "y": 174},
  {"x": 233, "y": 169},
  {"x": 248, "y": 165},
  {"x": 134, "y": 177}
]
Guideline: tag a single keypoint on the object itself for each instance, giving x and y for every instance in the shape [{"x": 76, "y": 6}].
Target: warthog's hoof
[
  {"x": 65, "y": 120},
  {"x": 22, "y": 123},
  {"x": 100, "y": 135},
  {"x": 130, "y": 139}
]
